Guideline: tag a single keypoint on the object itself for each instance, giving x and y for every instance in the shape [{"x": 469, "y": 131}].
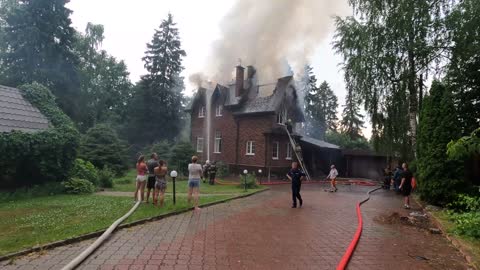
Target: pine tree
[
  {"x": 157, "y": 105},
  {"x": 320, "y": 107},
  {"x": 37, "y": 46},
  {"x": 440, "y": 178},
  {"x": 352, "y": 122}
]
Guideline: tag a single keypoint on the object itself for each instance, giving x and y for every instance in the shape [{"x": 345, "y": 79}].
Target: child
[{"x": 333, "y": 178}]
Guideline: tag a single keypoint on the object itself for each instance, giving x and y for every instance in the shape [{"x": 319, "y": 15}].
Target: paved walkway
[{"x": 263, "y": 232}]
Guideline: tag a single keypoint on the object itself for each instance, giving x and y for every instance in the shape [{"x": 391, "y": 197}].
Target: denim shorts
[{"x": 193, "y": 183}]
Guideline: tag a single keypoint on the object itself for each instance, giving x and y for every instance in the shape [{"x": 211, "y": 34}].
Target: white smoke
[{"x": 267, "y": 33}]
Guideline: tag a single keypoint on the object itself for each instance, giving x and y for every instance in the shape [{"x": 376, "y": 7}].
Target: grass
[
  {"x": 29, "y": 222},
  {"x": 472, "y": 246},
  {"x": 127, "y": 184}
]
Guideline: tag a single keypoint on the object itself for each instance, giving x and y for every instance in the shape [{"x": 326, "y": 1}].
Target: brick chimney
[{"x": 240, "y": 73}]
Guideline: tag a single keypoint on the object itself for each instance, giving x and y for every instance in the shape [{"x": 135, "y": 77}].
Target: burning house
[{"x": 253, "y": 126}]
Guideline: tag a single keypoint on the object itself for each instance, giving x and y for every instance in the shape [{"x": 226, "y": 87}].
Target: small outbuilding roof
[
  {"x": 16, "y": 113},
  {"x": 318, "y": 143}
]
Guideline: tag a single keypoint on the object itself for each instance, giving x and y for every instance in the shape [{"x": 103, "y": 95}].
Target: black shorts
[
  {"x": 151, "y": 182},
  {"x": 406, "y": 191}
]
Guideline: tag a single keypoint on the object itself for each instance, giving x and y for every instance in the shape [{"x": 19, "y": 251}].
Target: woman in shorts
[
  {"x": 141, "y": 178},
  {"x": 160, "y": 182},
  {"x": 194, "y": 177}
]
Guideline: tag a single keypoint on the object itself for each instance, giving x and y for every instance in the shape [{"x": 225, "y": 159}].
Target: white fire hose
[{"x": 75, "y": 262}]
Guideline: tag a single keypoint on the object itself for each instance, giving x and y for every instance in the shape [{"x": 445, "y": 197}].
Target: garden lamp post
[
  {"x": 245, "y": 179},
  {"x": 260, "y": 175},
  {"x": 173, "y": 174}
]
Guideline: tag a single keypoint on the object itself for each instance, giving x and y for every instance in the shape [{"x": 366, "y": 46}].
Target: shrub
[
  {"x": 105, "y": 177},
  {"x": 182, "y": 154},
  {"x": 85, "y": 170},
  {"x": 78, "y": 186},
  {"x": 465, "y": 203},
  {"x": 34, "y": 158},
  {"x": 467, "y": 224},
  {"x": 101, "y": 146},
  {"x": 438, "y": 125},
  {"x": 163, "y": 150},
  {"x": 222, "y": 169},
  {"x": 47, "y": 189},
  {"x": 251, "y": 181}
]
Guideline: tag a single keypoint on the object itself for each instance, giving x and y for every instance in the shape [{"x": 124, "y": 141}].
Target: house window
[
  {"x": 199, "y": 144},
  {"x": 289, "y": 152},
  {"x": 250, "y": 148},
  {"x": 275, "y": 150},
  {"x": 282, "y": 116},
  {"x": 218, "y": 142},
  {"x": 201, "y": 112},
  {"x": 218, "y": 110}
]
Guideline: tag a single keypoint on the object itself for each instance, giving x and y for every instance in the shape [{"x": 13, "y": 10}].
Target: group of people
[
  {"x": 402, "y": 181},
  {"x": 296, "y": 176},
  {"x": 209, "y": 172},
  {"x": 153, "y": 173}
]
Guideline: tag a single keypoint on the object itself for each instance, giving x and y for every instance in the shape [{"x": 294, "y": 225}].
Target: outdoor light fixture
[
  {"x": 245, "y": 179},
  {"x": 260, "y": 175},
  {"x": 174, "y": 175}
]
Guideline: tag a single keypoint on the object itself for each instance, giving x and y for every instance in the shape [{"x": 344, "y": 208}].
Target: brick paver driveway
[{"x": 263, "y": 232}]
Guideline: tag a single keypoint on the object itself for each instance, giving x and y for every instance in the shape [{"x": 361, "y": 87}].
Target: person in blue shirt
[{"x": 296, "y": 176}]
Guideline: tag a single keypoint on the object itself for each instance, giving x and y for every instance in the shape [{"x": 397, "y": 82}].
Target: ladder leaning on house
[{"x": 298, "y": 152}]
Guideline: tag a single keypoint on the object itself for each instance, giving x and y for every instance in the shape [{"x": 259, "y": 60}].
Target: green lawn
[
  {"x": 29, "y": 222},
  {"x": 127, "y": 183},
  {"x": 472, "y": 246}
]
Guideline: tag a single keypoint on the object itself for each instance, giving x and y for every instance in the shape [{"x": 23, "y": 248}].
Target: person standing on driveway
[
  {"x": 406, "y": 185},
  {"x": 194, "y": 176},
  {"x": 333, "y": 178},
  {"x": 296, "y": 176},
  {"x": 152, "y": 163}
]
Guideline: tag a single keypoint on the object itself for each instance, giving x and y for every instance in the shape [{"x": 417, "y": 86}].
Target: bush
[
  {"x": 251, "y": 181},
  {"x": 105, "y": 177},
  {"x": 101, "y": 146},
  {"x": 163, "y": 150},
  {"x": 467, "y": 224},
  {"x": 35, "y": 158},
  {"x": 85, "y": 170},
  {"x": 222, "y": 169},
  {"x": 465, "y": 203},
  {"x": 78, "y": 186},
  {"x": 438, "y": 125},
  {"x": 182, "y": 154},
  {"x": 47, "y": 189}
]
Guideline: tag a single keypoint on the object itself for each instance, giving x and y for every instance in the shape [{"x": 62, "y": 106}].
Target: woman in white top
[
  {"x": 194, "y": 177},
  {"x": 333, "y": 178}
]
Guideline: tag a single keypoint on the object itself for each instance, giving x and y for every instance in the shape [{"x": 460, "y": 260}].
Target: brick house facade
[{"x": 247, "y": 128}]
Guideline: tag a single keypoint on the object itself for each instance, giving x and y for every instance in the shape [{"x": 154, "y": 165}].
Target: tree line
[{"x": 391, "y": 52}]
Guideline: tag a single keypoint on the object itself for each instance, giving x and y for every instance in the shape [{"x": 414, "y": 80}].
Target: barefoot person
[
  {"x": 194, "y": 175},
  {"x": 296, "y": 176},
  {"x": 152, "y": 163},
  {"x": 160, "y": 182},
  {"x": 141, "y": 177},
  {"x": 406, "y": 185},
  {"x": 333, "y": 178}
]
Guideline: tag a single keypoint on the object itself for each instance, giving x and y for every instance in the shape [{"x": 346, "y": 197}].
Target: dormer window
[
  {"x": 282, "y": 116},
  {"x": 201, "y": 112},
  {"x": 218, "y": 110}
]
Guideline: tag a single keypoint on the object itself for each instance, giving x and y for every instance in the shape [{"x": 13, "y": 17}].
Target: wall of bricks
[
  {"x": 253, "y": 128},
  {"x": 198, "y": 130},
  {"x": 227, "y": 127}
]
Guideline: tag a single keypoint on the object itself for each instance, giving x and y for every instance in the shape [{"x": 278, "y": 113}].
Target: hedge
[{"x": 35, "y": 158}]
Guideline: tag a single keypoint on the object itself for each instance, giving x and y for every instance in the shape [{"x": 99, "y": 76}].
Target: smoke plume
[{"x": 267, "y": 33}]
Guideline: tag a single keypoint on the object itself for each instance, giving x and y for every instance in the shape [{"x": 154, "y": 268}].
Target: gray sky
[{"x": 129, "y": 25}]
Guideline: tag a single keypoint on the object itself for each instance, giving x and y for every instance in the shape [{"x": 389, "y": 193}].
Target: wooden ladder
[{"x": 298, "y": 152}]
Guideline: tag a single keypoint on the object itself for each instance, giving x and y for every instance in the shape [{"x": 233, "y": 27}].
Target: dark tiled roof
[
  {"x": 258, "y": 104},
  {"x": 16, "y": 113},
  {"x": 318, "y": 143}
]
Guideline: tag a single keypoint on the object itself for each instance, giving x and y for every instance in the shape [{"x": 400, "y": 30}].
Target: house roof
[
  {"x": 318, "y": 143},
  {"x": 16, "y": 113}
]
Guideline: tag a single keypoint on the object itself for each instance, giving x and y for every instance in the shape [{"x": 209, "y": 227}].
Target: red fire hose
[{"x": 349, "y": 252}]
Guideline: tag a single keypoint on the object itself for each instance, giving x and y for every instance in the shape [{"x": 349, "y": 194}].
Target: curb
[
  {"x": 455, "y": 242},
  {"x": 122, "y": 226}
]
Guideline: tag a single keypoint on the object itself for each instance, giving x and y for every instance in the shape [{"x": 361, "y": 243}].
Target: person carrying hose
[{"x": 296, "y": 176}]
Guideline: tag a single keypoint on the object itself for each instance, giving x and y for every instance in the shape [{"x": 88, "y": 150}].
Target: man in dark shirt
[
  {"x": 212, "y": 172},
  {"x": 406, "y": 185},
  {"x": 151, "y": 164},
  {"x": 296, "y": 175}
]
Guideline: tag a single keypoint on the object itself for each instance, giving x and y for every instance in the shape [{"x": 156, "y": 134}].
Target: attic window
[
  {"x": 201, "y": 112},
  {"x": 218, "y": 110},
  {"x": 282, "y": 116}
]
